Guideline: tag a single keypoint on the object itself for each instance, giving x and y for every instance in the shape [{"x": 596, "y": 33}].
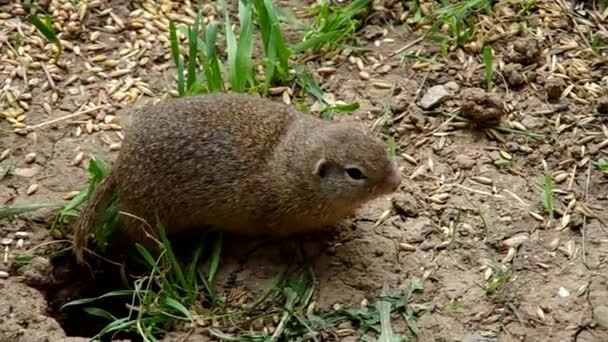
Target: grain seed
[
  {"x": 482, "y": 180},
  {"x": 32, "y": 189},
  {"x": 30, "y": 158},
  {"x": 22, "y": 235},
  {"x": 70, "y": 195},
  {"x": 5, "y": 154},
  {"x": 406, "y": 247},
  {"x": 409, "y": 158},
  {"x": 115, "y": 146},
  {"x": 515, "y": 241},
  {"x": 536, "y": 215}
]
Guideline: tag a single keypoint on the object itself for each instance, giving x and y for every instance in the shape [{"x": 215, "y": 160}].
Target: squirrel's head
[{"x": 353, "y": 167}]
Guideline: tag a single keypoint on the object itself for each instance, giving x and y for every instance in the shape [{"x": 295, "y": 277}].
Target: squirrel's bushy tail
[{"x": 88, "y": 220}]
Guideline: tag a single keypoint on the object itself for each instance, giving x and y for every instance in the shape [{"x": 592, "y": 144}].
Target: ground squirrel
[{"x": 241, "y": 164}]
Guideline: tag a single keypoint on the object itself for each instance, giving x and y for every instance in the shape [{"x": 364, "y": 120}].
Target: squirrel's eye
[{"x": 355, "y": 173}]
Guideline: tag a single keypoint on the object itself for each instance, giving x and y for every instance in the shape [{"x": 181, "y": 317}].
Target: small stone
[
  {"x": 434, "y": 96},
  {"x": 26, "y": 172},
  {"x": 464, "y": 162},
  {"x": 563, "y": 292},
  {"x": 602, "y": 105},
  {"x": 554, "y": 87},
  {"x": 600, "y": 316},
  {"x": 3, "y": 275}
]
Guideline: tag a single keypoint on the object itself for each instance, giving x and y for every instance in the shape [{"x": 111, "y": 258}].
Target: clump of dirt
[
  {"x": 554, "y": 87},
  {"x": 514, "y": 74},
  {"x": 524, "y": 51},
  {"x": 481, "y": 107}
]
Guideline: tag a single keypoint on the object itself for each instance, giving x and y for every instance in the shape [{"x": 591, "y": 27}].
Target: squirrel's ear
[{"x": 321, "y": 167}]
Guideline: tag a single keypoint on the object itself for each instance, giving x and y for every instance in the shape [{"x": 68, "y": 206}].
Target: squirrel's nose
[{"x": 393, "y": 178}]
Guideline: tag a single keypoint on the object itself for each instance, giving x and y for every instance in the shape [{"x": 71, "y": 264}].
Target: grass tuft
[
  {"x": 488, "y": 62},
  {"x": 332, "y": 25}
]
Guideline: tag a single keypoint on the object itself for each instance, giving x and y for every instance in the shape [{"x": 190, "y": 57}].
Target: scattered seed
[
  {"x": 78, "y": 159},
  {"x": 582, "y": 289},
  {"x": 560, "y": 177},
  {"x": 482, "y": 180},
  {"x": 510, "y": 255},
  {"x": 554, "y": 243},
  {"x": 488, "y": 273},
  {"x": 536, "y": 216},
  {"x": 565, "y": 221},
  {"x": 407, "y": 247},
  {"x": 505, "y": 155},
  {"x": 409, "y": 158},
  {"x": 22, "y": 235},
  {"x": 540, "y": 313},
  {"x": 30, "y": 158},
  {"x": 440, "y": 198},
  {"x": 70, "y": 195},
  {"x": 381, "y": 85},
  {"x": 325, "y": 71},
  {"x": 442, "y": 245},
  {"x": 515, "y": 241},
  {"x": 5, "y": 154},
  {"x": 115, "y": 146},
  {"x": 32, "y": 189},
  {"x": 364, "y": 75}
]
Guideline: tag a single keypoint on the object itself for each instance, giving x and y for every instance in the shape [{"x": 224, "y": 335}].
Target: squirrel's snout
[{"x": 393, "y": 178}]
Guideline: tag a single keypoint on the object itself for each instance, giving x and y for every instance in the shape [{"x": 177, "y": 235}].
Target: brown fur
[{"x": 242, "y": 164}]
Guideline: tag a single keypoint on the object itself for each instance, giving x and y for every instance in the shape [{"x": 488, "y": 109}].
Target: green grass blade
[
  {"x": 117, "y": 293},
  {"x": 46, "y": 29},
  {"x": 242, "y": 61},
  {"x": 20, "y": 209},
  {"x": 148, "y": 258},
  {"x": 170, "y": 256},
  {"x": 98, "y": 169},
  {"x": 488, "y": 65},
  {"x": 100, "y": 313},
  {"x": 547, "y": 194},
  {"x": 215, "y": 259},
  {"x": 213, "y": 72},
  {"x": 179, "y": 307},
  {"x": 192, "y": 52},
  {"x": 177, "y": 58},
  {"x": 231, "y": 46}
]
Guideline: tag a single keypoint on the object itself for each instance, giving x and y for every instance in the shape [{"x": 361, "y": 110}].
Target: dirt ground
[{"x": 468, "y": 208}]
